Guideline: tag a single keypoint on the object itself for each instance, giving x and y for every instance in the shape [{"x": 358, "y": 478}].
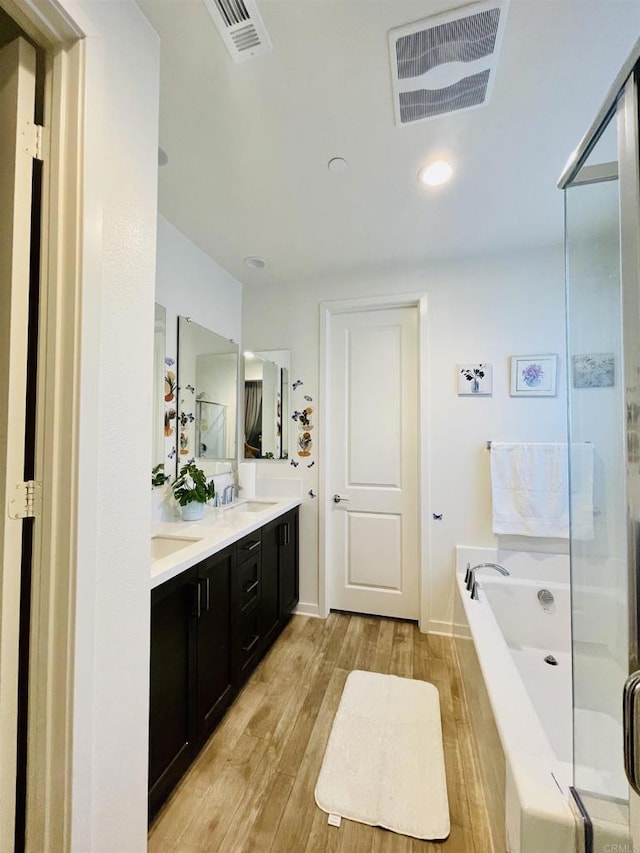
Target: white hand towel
[
  {"x": 530, "y": 489},
  {"x": 581, "y": 467}
]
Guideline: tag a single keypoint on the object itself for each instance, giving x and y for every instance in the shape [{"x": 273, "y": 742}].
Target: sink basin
[
  {"x": 253, "y": 506},
  {"x": 163, "y": 546}
]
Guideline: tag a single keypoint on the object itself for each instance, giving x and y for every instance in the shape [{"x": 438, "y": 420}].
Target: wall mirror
[
  {"x": 208, "y": 394},
  {"x": 266, "y": 404},
  {"x": 157, "y": 432}
]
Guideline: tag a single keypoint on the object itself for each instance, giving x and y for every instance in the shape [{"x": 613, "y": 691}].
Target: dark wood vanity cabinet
[
  {"x": 246, "y": 606},
  {"x": 191, "y": 683},
  {"x": 172, "y": 711},
  {"x": 215, "y": 676},
  {"x": 270, "y": 622},
  {"x": 288, "y": 563},
  {"x": 210, "y": 626},
  {"x": 279, "y": 574}
]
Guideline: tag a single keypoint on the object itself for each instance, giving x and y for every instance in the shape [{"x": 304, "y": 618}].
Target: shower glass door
[{"x": 601, "y": 277}]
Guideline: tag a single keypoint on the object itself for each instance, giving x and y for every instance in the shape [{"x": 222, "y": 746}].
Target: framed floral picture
[
  {"x": 595, "y": 370},
  {"x": 475, "y": 380},
  {"x": 534, "y": 375}
]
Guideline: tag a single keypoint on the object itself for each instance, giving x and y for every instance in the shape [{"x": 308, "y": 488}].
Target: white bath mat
[{"x": 384, "y": 763}]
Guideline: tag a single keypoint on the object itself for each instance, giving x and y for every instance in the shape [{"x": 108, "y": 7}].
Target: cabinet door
[
  {"x": 214, "y": 641},
  {"x": 289, "y": 568},
  {"x": 270, "y": 607},
  {"x": 172, "y": 710}
]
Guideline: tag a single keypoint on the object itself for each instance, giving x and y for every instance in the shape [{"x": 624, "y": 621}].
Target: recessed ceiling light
[
  {"x": 337, "y": 164},
  {"x": 436, "y": 173},
  {"x": 248, "y": 354},
  {"x": 255, "y": 263}
]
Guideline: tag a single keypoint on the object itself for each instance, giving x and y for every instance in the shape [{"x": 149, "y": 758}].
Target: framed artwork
[
  {"x": 475, "y": 380},
  {"x": 534, "y": 375},
  {"x": 594, "y": 370}
]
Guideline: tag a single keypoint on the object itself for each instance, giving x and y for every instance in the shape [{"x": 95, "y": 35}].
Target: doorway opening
[
  {"x": 40, "y": 67},
  {"x": 374, "y": 442}
]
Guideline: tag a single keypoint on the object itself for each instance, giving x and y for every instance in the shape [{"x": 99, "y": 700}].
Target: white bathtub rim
[
  {"x": 516, "y": 719},
  {"x": 529, "y": 755}
]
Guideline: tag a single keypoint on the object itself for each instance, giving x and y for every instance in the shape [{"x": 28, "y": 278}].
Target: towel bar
[{"x": 489, "y": 443}]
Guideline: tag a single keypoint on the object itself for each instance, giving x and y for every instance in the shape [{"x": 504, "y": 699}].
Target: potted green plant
[
  {"x": 158, "y": 477},
  {"x": 191, "y": 489}
]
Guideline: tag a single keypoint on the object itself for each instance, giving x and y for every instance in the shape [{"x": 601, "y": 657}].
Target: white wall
[
  {"x": 478, "y": 310},
  {"x": 190, "y": 284},
  {"x": 119, "y": 185}
]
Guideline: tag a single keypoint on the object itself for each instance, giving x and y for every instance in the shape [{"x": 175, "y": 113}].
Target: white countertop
[{"x": 219, "y": 528}]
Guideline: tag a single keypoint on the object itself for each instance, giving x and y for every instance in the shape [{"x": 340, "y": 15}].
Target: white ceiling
[{"x": 248, "y": 144}]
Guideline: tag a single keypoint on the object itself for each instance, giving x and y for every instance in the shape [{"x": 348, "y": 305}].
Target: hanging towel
[
  {"x": 581, "y": 475},
  {"x": 530, "y": 489}
]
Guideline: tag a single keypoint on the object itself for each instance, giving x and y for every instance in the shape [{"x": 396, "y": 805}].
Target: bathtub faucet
[{"x": 470, "y": 576}]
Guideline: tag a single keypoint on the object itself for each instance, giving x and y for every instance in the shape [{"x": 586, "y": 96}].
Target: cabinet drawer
[
  {"x": 247, "y": 585},
  {"x": 248, "y": 546},
  {"x": 246, "y": 645}
]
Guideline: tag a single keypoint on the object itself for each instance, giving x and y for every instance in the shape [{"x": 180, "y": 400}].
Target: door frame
[
  {"x": 52, "y": 664},
  {"x": 373, "y": 303}
]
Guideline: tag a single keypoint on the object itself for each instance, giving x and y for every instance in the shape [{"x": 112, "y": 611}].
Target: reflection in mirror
[
  {"x": 207, "y": 400},
  {"x": 157, "y": 435},
  {"x": 266, "y": 404}
]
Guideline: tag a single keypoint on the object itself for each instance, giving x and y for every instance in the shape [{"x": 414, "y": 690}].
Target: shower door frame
[{"x": 621, "y": 105}]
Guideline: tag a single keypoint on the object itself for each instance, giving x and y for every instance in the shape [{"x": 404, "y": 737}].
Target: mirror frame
[{"x": 158, "y": 448}]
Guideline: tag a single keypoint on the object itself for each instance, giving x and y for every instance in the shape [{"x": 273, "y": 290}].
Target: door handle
[
  {"x": 337, "y": 499},
  {"x": 284, "y": 534},
  {"x": 252, "y": 644},
  {"x": 630, "y": 714},
  {"x": 196, "y": 601},
  {"x": 251, "y": 587}
]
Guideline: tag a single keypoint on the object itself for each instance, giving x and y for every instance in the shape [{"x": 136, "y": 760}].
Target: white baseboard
[
  {"x": 461, "y": 631},
  {"x": 304, "y": 609},
  {"x": 436, "y": 626}
]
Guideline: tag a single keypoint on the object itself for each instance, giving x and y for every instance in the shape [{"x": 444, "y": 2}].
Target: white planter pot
[{"x": 193, "y": 511}]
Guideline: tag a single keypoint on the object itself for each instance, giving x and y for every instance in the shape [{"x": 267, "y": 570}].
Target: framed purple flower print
[{"x": 534, "y": 375}]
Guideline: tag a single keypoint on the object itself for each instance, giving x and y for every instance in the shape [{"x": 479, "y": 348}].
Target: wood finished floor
[{"x": 251, "y": 788}]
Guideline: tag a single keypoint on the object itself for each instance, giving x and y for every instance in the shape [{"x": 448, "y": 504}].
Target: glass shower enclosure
[{"x": 602, "y": 238}]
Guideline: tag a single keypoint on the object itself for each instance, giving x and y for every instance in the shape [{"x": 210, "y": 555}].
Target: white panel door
[
  {"x": 17, "y": 98},
  {"x": 373, "y": 531}
]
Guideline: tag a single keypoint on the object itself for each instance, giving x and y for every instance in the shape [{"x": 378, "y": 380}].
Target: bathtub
[{"x": 530, "y": 700}]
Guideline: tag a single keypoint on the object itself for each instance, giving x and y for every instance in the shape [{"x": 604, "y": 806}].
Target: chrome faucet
[
  {"x": 470, "y": 576},
  {"x": 228, "y": 493}
]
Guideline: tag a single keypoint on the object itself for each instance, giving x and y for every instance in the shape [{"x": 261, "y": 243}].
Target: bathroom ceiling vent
[
  {"x": 241, "y": 26},
  {"x": 446, "y": 63}
]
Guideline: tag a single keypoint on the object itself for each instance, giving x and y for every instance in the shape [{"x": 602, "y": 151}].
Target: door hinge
[
  {"x": 34, "y": 140},
  {"x": 27, "y": 501}
]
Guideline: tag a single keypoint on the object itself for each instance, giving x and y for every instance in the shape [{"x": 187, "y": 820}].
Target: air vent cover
[
  {"x": 446, "y": 63},
  {"x": 241, "y": 27}
]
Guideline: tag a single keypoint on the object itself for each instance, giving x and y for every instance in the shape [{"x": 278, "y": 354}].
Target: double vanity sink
[
  {"x": 222, "y": 590},
  {"x": 176, "y": 545},
  {"x": 164, "y": 545}
]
